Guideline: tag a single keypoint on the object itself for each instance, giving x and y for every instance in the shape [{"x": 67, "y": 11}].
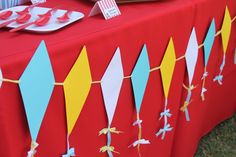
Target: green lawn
[{"x": 220, "y": 142}]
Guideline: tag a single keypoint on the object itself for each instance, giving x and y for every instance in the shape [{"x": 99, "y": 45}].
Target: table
[{"x": 151, "y": 23}]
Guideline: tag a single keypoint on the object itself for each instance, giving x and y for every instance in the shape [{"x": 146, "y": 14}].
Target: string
[
  {"x": 32, "y": 150},
  {"x": 126, "y": 77},
  {"x": 108, "y": 148},
  {"x": 68, "y": 142},
  {"x": 96, "y": 82},
  {"x": 166, "y": 113},
  {"x": 218, "y": 33},
  {"x": 165, "y": 117},
  {"x": 59, "y": 84},
  {"x": 233, "y": 19},
  {"x": 180, "y": 58},
  {"x": 219, "y": 77},
  {"x": 109, "y": 141},
  {"x": 70, "y": 151},
  {"x": 185, "y": 87},
  {"x": 184, "y": 108},
  {"x": 203, "y": 85},
  {"x": 155, "y": 68},
  {"x": 10, "y": 81},
  {"x": 139, "y": 134},
  {"x": 200, "y": 46}
]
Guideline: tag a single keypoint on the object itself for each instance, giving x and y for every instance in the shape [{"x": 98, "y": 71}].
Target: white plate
[{"x": 52, "y": 25}]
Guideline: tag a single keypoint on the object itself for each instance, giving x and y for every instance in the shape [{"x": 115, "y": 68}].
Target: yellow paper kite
[
  {"x": 167, "y": 67},
  {"x": 225, "y": 35},
  {"x": 226, "y": 29},
  {"x": 76, "y": 87}
]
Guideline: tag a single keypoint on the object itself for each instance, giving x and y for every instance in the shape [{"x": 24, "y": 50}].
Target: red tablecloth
[{"x": 151, "y": 23}]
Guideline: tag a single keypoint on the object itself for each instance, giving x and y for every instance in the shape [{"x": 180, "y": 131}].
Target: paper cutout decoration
[
  {"x": 76, "y": 88},
  {"x": 108, "y": 8},
  {"x": 167, "y": 70},
  {"x": 139, "y": 79},
  {"x": 191, "y": 56},
  {"x": 208, "y": 44},
  {"x": 225, "y": 33},
  {"x": 111, "y": 86},
  {"x": 226, "y": 29},
  {"x": 1, "y": 78},
  {"x": 167, "y": 67},
  {"x": 36, "y": 86}
]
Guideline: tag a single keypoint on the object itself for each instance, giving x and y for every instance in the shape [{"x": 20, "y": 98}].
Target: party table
[{"x": 150, "y": 23}]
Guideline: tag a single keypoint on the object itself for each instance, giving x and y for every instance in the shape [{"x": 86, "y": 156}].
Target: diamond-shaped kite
[
  {"x": 36, "y": 86},
  {"x": 225, "y": 34},
  {"x": 76, "y": 88},
  {"x": 111, "y": 85},
  {"x": 208, "y": 44},
  {"x": 226, "y": 29},
  {"x": 191, "y": 56},
  {"x": 139, "y": 79},
  {"x": 167, "y": 67}
]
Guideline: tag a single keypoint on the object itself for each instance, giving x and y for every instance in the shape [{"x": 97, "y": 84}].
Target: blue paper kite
[
  {"x": 36, "y": 86},
  {"x": 139, "y": 80}
]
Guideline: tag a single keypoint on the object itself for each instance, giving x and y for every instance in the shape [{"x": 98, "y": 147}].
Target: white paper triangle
[
  {"x": 111, "y": 84},
  {"x": 191, "y": 55}
]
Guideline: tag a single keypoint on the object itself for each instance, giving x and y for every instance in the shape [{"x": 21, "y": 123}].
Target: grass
[{"x": 221, "y": 142}]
